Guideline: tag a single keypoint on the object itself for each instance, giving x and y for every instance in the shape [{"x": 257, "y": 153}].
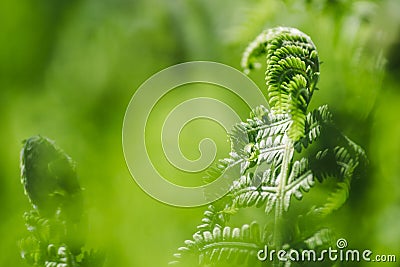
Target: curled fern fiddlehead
[
  {"x": 282, "y": 153},
  {"x": 56, "y": 222},
  {"x": 292, "y": 72},
  {"x": 49, "y": 177}
]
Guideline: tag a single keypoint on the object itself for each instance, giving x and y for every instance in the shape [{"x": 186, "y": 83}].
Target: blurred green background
[{"x": 69, "y": 68}]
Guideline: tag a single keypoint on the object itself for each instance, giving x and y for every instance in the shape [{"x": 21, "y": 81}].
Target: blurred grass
[{"x": 69, "y": 68}]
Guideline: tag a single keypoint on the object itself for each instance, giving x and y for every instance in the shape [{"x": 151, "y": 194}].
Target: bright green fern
[
  {"x": 282, "y": 152},
  {"x": 56, "y": 223}
]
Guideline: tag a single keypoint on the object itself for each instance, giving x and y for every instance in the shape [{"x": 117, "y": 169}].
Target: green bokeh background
[{"x": 69, "y": 68}]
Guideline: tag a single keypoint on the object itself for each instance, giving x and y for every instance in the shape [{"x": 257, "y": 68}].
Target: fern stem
[{"x": 279, "y": 208}]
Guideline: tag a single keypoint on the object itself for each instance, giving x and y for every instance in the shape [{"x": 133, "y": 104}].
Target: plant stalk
[{"x": 283, "y": 179}]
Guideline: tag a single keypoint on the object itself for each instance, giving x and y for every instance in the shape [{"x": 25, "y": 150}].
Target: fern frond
[
  {"x": 230, "y": 245},
  {"x": 322, "y": 238},
  {"x": 277, "y": 154},
  {"x": 212, "y": 218},
  {"x": 260, "y": 139},
  {"x": 31, "y": 251},
  {"x": 60, "y": 256},
  {"x": 245, "y": 194},
  {"x": 38, "y": 226},
  {"x": 314, "y": 122},
  {"x": 347, "y": 164},
  {"x": 301, "y": 179}
]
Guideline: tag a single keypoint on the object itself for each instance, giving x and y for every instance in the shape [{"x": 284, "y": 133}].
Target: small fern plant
[
  {"x": 282, "y": 152},
  {"x": 56, "y": 222}
]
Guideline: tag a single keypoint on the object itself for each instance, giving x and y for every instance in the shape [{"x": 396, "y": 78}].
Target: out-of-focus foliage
[
  {"x": 69, "y": 68},
  {"x": 55, "y": 225}
]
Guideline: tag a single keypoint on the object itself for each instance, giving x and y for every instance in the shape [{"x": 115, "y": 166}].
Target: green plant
[
  {"x": 282, "y": 152},
  {"x": 56, "y": 223}
]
